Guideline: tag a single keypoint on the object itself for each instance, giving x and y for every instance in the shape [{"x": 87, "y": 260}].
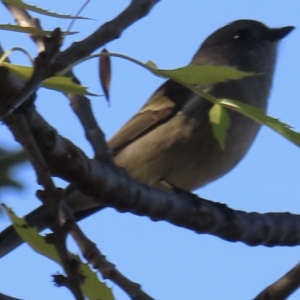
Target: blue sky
[{"x": 169, "y": 262}]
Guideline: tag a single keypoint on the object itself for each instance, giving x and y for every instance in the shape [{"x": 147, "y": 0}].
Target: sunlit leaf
[
  {"x": 32, "y": 237},
  {"x": 23, "y": 5},
  {"x": 30, "y": 30},
  {"x": 219, "y": 120},
  {"x": 260, "y": 116},
  {"x": 205, "y": 74},
  {"x": 58, "y": 83},
  {"x": 65, "y": 85}
]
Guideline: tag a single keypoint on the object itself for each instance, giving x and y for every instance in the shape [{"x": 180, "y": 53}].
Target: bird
[{"x": 170, "y": 138}]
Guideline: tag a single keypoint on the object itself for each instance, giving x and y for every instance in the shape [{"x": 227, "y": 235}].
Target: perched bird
[{"x": 171, "y": 137}]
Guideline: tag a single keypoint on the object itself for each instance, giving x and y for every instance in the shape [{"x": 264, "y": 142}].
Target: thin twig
[
  {"x": 282, "y": 288},
  {"x": 19, "y": 127},
  {"x": 53, "y": 202},
  {"x": 94, "y": 257},
  {"x": 82, "y": 108},
  {"x": 106, "y": 33}
]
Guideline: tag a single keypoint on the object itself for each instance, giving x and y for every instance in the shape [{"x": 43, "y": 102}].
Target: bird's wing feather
[{"x": 161, "y": 106}]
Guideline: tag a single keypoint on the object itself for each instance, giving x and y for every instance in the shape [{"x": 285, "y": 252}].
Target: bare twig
[
  {"x": 82, "y": 108},
  {"x": 108, "y": 32},
  {"x": 99, "y": 262},
  {"x": 53, "y": 202},
  {"x": 282, "y": 288}
]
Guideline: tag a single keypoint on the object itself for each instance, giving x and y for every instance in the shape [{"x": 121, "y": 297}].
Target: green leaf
[
  {"x": 58, "y": 83},
  {"x": 259, "y": 116},
  {"x": 206, "y": 74},
  {"x": 30, "y": 30},
  {"x": 23, "y": 5},
  {"x": 151, "y": 65},
  {"x": 219, "y": 120},
  {"x": 92, "y": 287},
  {"x": 65, "y": 85},
  {"x": 32, "y": 237}
]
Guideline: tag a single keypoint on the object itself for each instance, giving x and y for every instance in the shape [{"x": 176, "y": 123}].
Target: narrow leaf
[
  {"x": 205, "y": 74},
  {"x": 219, "y": 120},
  {"x": 58, "y": 83},
  {"x": 105, "y": 73},
  {"x": 65, "y": 85},
  {"x": 31, "y": 30},
  {"x": 32, "y": 237},
  {"x": 23, "y": 5},
  {"x": 259, "y": 116}
]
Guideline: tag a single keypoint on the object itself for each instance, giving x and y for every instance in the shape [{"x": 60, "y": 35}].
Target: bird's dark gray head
[{"x": 246, "y": 44}]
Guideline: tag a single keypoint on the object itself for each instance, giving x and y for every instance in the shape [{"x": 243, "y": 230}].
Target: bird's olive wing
[{"x": 163, "y": 104}]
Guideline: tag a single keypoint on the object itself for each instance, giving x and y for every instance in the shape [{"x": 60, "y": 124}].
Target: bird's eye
[{"x": 243, "y": 34}]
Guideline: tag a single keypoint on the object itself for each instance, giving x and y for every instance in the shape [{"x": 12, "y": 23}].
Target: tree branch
[
  {"x": 108, "y": 32},
  {"x": 47, "y": 59},
  {"x": 99, "y": 262},
  {"x": 80, "y": 104},
  {"x": 282, "y": 288},
  {"x": 114, "y": 188}
]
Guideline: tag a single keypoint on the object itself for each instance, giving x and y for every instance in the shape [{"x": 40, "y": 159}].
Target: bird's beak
[{"x": 277, "y": 34}]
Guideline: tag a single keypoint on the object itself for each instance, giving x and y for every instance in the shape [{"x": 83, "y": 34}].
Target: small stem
[{"x": 9, "y": 51}]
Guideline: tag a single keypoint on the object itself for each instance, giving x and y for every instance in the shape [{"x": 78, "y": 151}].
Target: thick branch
[{"x": 111, "y": 187}]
